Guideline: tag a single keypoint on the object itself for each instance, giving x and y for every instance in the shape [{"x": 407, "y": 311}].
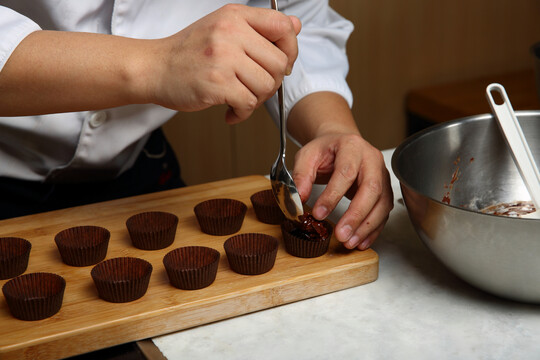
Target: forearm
[
  {"x": 53, "y": 71},
  {"x": 320, "y": 113}
]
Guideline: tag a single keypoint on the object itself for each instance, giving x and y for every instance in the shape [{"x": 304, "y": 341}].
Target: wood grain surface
[{"x": 86, "y": 323}]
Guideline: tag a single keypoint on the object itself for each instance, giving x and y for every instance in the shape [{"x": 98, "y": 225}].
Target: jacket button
[{"x": 97, "y": 119}]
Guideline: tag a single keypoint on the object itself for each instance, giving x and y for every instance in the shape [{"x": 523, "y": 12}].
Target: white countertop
[{"x": 416, "y": 309}]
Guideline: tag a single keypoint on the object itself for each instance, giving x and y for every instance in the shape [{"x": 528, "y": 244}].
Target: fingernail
[
  {"x": 288, "y": 71},
  {"x": 364, "y": 245},
  {"x": 346, "y": 232},
  {"x": 353, "y": 241},
  {"x": 320, "y": 212}
]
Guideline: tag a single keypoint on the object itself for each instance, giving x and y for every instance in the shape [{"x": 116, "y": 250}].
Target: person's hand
[
  {"x": 336, "y": 154},
  {"x": 237, "y": 55},
  {"x": 351, "y": 167}
]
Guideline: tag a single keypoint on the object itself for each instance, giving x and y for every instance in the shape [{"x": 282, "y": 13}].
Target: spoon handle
[
  {"x": 516, "y": 140},
  {"x": 282, "y": 123}
]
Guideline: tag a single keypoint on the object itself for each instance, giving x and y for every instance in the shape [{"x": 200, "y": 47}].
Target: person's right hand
[{"x": 237, "y": 55}]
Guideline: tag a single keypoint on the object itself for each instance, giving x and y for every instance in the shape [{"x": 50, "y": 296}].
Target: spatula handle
[{"x": 516, "y": 140}]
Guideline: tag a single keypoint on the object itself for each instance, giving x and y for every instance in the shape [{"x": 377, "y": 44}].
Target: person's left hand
[{"x": 351, "y": 167}]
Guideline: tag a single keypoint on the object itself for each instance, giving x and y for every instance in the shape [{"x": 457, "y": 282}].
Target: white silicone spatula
[{"x": 509, "y": 125}]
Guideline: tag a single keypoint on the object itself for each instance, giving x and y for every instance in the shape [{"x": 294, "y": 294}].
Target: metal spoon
[
  {"x": 283, "y": 186},
  {"x": 517, "y": 142}
]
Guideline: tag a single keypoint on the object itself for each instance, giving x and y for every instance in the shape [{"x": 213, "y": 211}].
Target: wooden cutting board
[{"x": 86, "y": 323}]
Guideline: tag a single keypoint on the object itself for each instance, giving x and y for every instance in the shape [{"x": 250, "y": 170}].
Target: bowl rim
[{"x": 438, "y": 127}]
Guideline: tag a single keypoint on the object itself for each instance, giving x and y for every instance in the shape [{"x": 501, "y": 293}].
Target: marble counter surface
[{"x": 416, "y": 309}]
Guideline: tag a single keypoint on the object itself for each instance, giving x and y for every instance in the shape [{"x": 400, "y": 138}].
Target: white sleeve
[
  {"x": 322, "y": 63},
  {"x": 14, "y": 27}
]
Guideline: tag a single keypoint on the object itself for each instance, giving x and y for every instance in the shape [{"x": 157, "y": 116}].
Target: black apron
[{"x": 156, "y": 169}]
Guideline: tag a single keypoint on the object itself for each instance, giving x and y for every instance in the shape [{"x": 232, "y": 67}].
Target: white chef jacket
[{"x": 102, "y": 144}]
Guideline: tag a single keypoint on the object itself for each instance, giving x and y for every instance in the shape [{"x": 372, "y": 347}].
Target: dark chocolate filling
[{"x": 309, "y": 228}]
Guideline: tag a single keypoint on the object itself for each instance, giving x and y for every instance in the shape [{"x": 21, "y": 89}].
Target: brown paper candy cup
[
  {"x": 251, "y": 253},
  {"x": 266, "y": 208},
  {"x": 34, "y": 296},
  {"x": 191, "y": 267},
  {"x": 220, "y": 216},
  {"x": 152, "y": 230},
  {"x": 122, "y": 279},
  {"x": 83, "y": 245},
  {"x": 14, "y": 255},
  {"x": 299, "y": 246}
]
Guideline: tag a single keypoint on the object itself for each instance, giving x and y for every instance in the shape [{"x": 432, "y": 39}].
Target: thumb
[{"x": 297, "y": 24}]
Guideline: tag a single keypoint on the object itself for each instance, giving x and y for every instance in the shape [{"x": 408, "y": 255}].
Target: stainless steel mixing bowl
[{"x": 450, "y": 171}]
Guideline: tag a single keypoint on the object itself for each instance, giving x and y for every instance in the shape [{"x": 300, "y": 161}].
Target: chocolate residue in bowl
[
  {"x": 510, "y": 209},
  {"x": 455, "y": 177}
]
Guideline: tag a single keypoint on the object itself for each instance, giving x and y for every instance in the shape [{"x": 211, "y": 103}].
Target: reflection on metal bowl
[{"x": 448, "y": 173}]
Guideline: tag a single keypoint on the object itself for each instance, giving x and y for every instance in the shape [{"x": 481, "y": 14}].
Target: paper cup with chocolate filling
[
  {"x": 34, "y": 296},
  {"x": 266, "y": 208},
  {"x": 220, "y": 216},
  {"x": 14, "y": 255},
  {"x": 122, "y": 279},
  {"x": 83, "y": 245},
  {"x": 152, "y": 230},
  {"x": 191, "y": 267},
  {"x": 251, "y": 253},
  {"x": 308, "y": 238}
]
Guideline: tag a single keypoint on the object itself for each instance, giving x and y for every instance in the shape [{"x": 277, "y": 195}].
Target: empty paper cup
[
  {"x": 191, "y": 267},
  {"x": 122, "y": 279},
  {"x": 220, "y": 216},
  {"x": 266, "y": 208},
  {"x": 14, "y": 254},
  {"x": 251, "y": 253},
  {"x": 83, "y": 245},
  {"x": 34, "y": 296},
  {"x": 152, "y": 230}
]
